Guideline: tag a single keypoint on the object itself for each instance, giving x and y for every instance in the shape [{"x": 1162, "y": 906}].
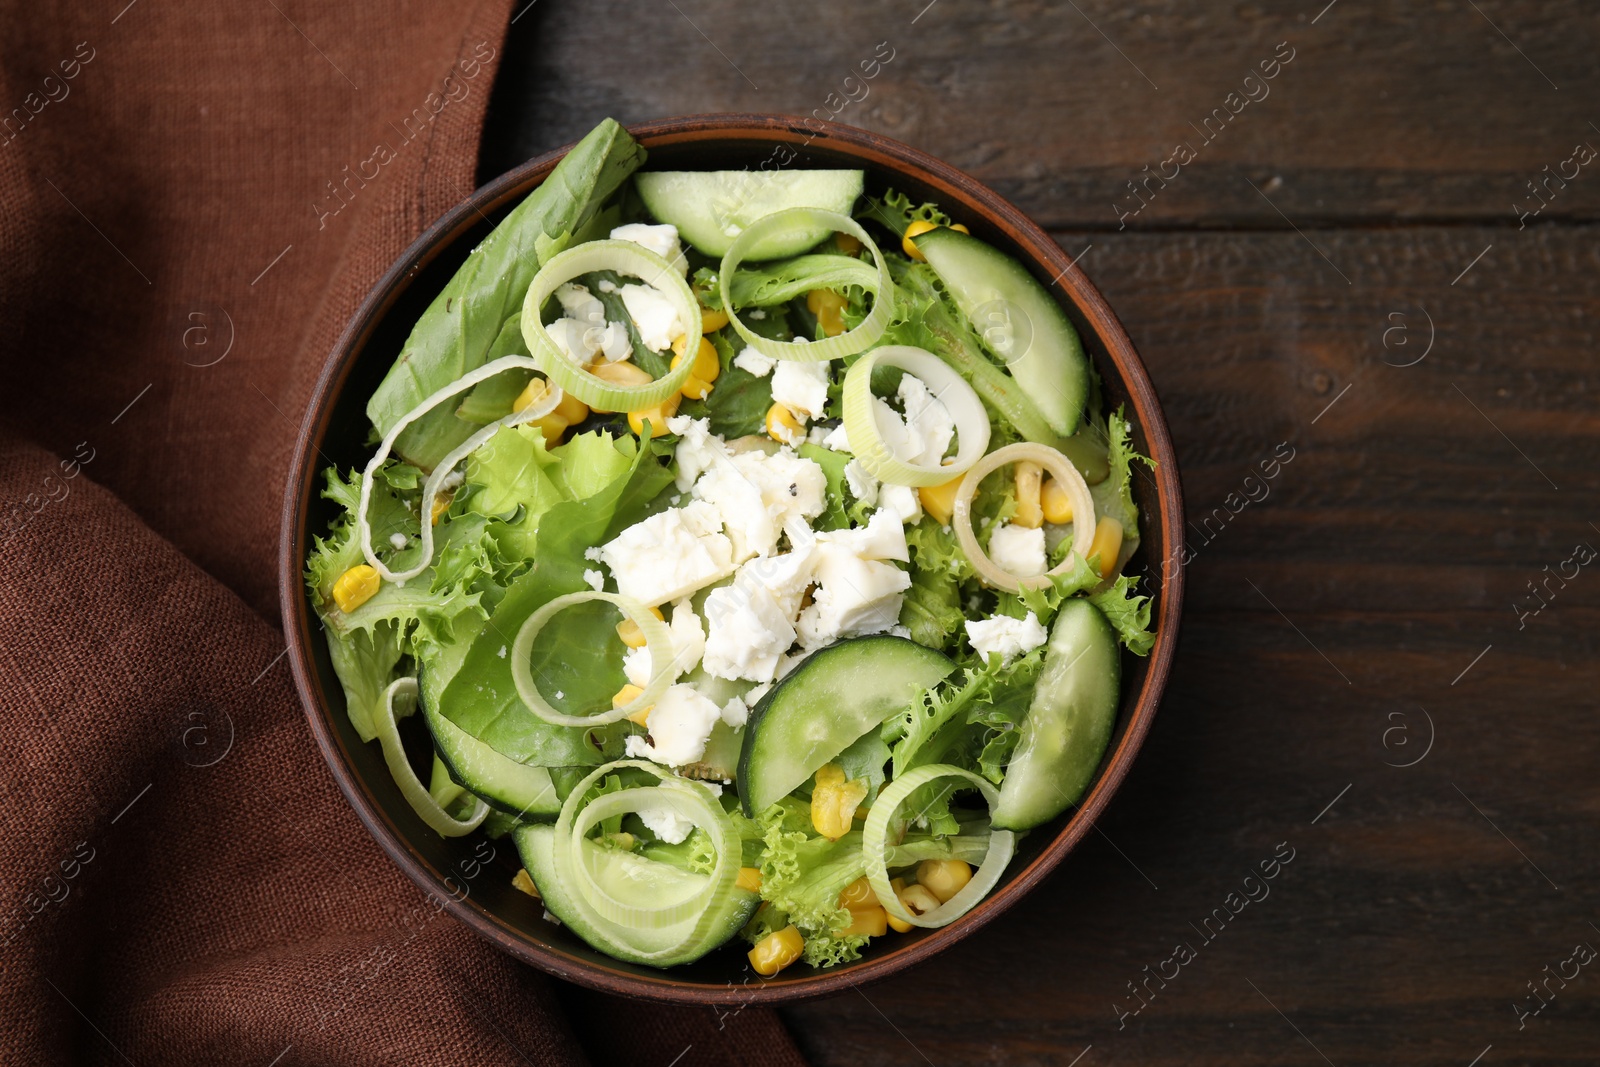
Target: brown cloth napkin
[{"x": 181, "y": 240}]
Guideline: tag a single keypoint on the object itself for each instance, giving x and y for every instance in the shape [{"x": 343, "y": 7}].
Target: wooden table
[{"x": 1344, "y": 271}]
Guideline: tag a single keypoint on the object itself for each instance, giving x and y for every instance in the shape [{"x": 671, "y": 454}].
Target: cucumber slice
[
  {"x": 830, "y": 700},
  {"x": 1032, "y": 336},
  {"x": 497, "y": 778},
  {"x": 500, "y": 780},
  {"x": 712, "y": 207},
  {"x": 1069, "y": 724},
  {"x": 625, "y": 875}
]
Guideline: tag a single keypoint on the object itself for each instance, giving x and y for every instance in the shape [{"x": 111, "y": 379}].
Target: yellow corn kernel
[
  {"x": 828, "y": 307},
  {"x": 553, "y": 425},
  {"x": 782, "y": 426},
  {"x": 571, "y": 410},
  {"x": 657, "y": 415},
  {"x": 626, "y": 695},
  {"x": 1055, "y": 503},
  {"x": 834, "y": 801},
  {"x": 622, "y": 839},
  {"x": 918, "y": 227},
  {"x": 523, "y": 881},
  {"x": 848, "y": 243},
  {"x": 897, "y": 925},
  {"x": 871, "y": 922},
  {"x": 1029, "y": 513},
  {"x": 858, "y": 895},
  {"x": 712, "y": 321},
  {"x": 961, "y": 228},
  {"x": 703, "y": 373},
  {"x": 355, "y": 587},
  {"x": 918, "y": 900},
  {"x": 944, "y": 878},
  {"x": 939, "y": 500},
  {"x": 441, "y": 504},
  {"x": 1107, "y": 543},
  {"x": 530, "y": 395},
  {"x": 619, "y": 373},
  {"x": 776, "y": 951},
  {"x": 630, "y": 633},
  {"x": 749, "y": 879}
]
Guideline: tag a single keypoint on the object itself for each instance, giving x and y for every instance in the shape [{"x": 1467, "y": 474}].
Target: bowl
[{"x": 471, "y": 876}]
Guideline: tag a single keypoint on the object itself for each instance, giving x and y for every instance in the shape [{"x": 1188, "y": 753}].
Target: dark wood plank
[
  {"x": 1394, "y": 544},
  {"x": 1421, "y": 114}
]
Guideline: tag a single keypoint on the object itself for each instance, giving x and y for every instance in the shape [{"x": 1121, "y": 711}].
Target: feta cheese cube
[
  {"x": 655, "y": 316},
  {"x": 903, "y": 501},
  {"x": 662, "y": 240},
  {"x": 596, "y": 579},
  {"x": 883, "y": 537},
  {"x": 697, "y": 451},
  {"x": 752, "y": 620},
  {"x": 1018, "y": 550},
  {"x": 668, "y": 826},
  {"x": 923, "y": 435},
  {"x": 680, "y": 722},
  {"x": 863, "y": 486},
  {"x": 669, "y": 555},
  {"x": 801, "y": 387},
  {"x": 855, "y": 596},
  {"x": 754, "y": 362},
  {"x": 1004, "y": 636},
  {"x": 757, "y": 494},
  {"x": 688, "y": 638}
]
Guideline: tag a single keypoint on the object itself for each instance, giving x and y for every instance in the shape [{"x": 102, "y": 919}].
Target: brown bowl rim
[{"x": 875, "y": 150}]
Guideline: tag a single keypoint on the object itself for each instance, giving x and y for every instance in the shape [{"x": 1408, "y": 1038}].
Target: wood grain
[{"x": 1371, "y": 591}]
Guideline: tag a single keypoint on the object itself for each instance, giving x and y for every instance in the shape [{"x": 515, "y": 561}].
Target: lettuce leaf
[
  {"x": 895, "y": 211},
  {"x": 1128, "y": 614},
  {"x": 778, "y": 283},
  {"x": 482, "y": 698},
  {"x": 454, "y": 335},
  {"x": 802, "y": 875},
  {"x": 515, "y": 474},
  {"x": 931, "y": 609},
  {"x": 1114, "y": 496}
]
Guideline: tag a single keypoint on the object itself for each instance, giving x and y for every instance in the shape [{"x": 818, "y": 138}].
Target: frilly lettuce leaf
[{"x": 1128, "y": 614}]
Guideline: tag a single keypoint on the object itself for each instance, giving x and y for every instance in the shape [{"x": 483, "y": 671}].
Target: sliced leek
[
  {"x": 657, "y": 638},
  {"x": 875, "y": 845},
  {"x": 430, "y": 488},
  {"x": 1069, "y": 479},
  {"x": 411, "y": 787},
  {"x": 862, "y": 414},
  {"x": 626, "y": 258},
  {"x": 845, "y": 344}
]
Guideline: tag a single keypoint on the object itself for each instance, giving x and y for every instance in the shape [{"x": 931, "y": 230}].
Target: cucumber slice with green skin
[
  {"x": 1069, "y": 723},
  {"x": 825, "y": 705},
  {"x": 625, "y": 875},
  {"x": 500, "y": 780},
  {"x": 712, "y": 207},
  {"x": 1038, "y": 343}
]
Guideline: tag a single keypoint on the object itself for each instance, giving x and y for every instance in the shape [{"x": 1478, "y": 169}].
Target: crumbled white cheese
[
  {"x": 754, "y": 362},
  {"x": 662, "y": 240},
  {"x": 753, "y": 697},
  {"x": 801, "y": 387},
  {"x": 452, "y": 480},
  {"x": 903, "y": 501},
  {"x": 502, "y": 652},
  {"x": 752, "y": 620},
  {"x": 679, "y": 724},
  {"x": 758, "y": 314},
  {"x": 735, "y": 713},
  {"x": 669, "y": 555},
  {"x": 838, "y": 440},
  {"x": 607, "y": 286},
  {"x": 757, "y": 494},
  {"x": 1004, "y": 636},
  {"x": 857, "y": 593},
  {"x": 655, "y": 316},
  {"x": 923, "y": 435},
  {"x": 1018, "y": 550},
  {"x": 398, "y": 540},
  {"x": 596, "y": 579},
  {"x": 863, "y": 486},
  {"x": 688, "y": 645},
  {"x": 698, "y": 448},
  {"x": 592, "y": 553},
  {"x": 668, "y": 826}
]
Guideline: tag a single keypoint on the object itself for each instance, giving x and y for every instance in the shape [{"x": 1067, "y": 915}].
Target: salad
[{"x": 750, "y": 549}]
